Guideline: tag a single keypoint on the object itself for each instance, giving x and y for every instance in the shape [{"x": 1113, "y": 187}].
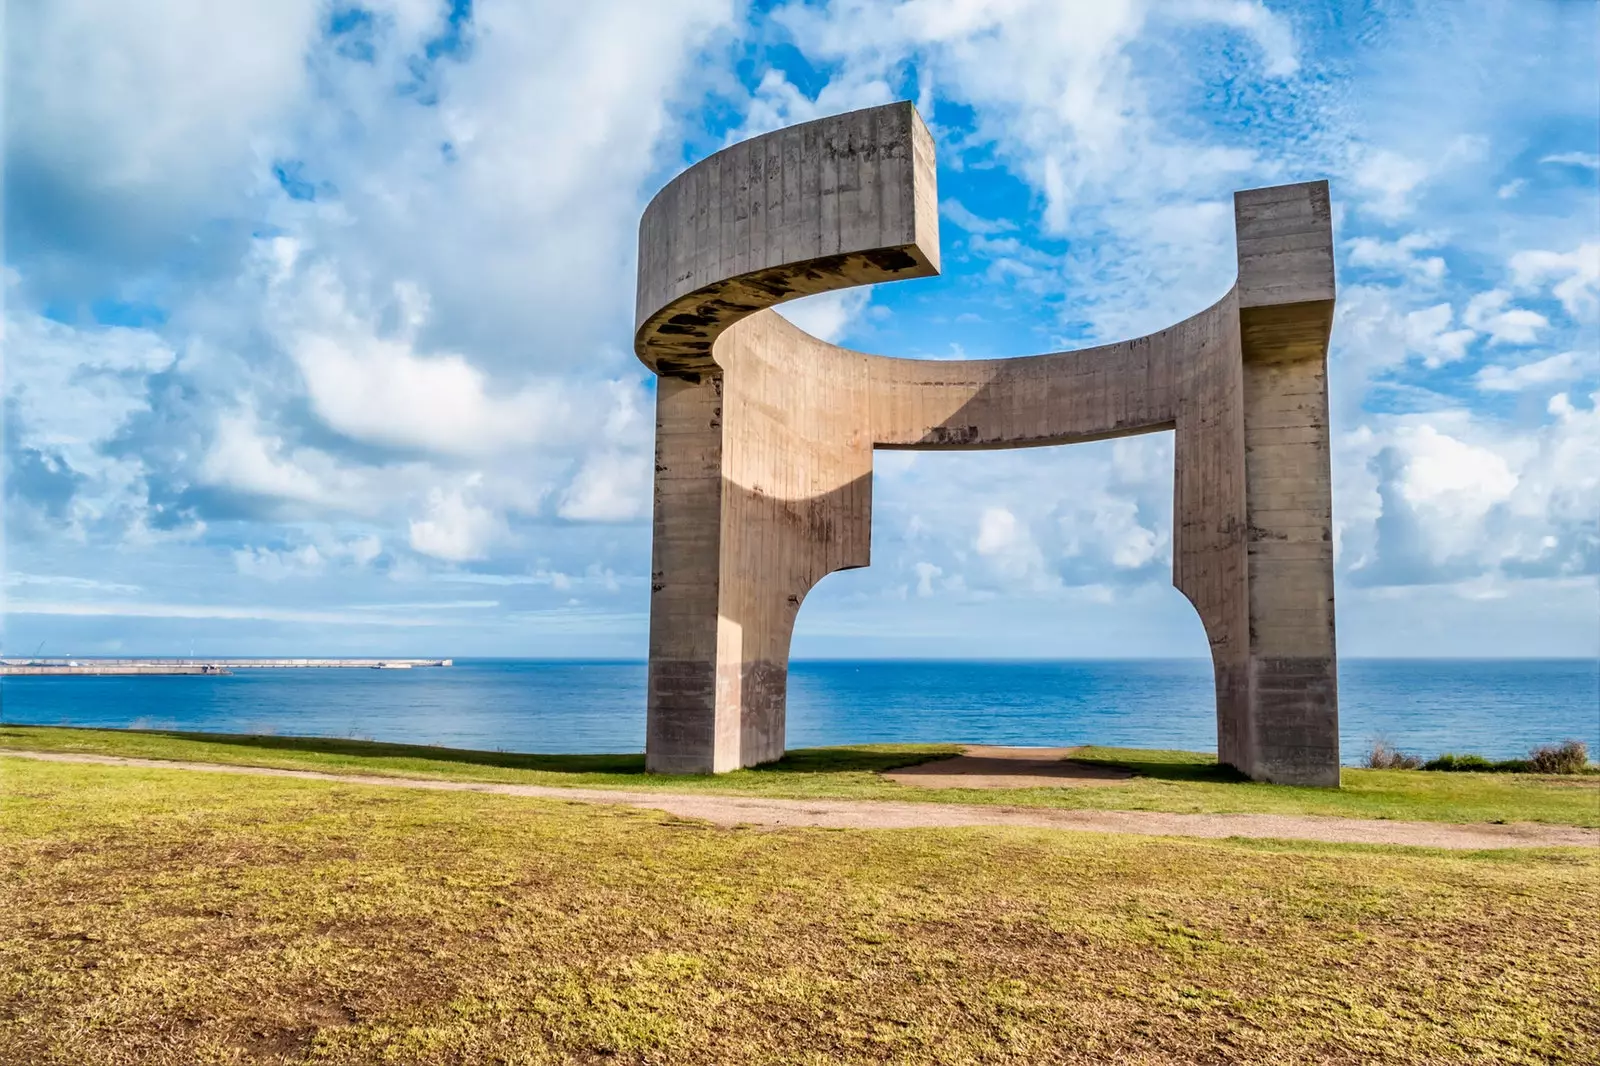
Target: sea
[{"x": 1496, "y": 708}]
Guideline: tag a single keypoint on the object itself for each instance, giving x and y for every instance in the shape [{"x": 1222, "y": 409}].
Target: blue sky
[{"x": 317, "y": 316}]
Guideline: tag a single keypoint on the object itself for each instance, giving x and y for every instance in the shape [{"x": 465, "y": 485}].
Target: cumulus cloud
[
  {"x": 379, "y": 389},
  {"x": 1572, "y": 277},
  {"x": 829, "y": 315},
  {"x": 1491, "y": 313},
  {"x": 456, "y": 527},
  {"x": 129, "y": 127},
  {"x": 1050, "y": 83},
  {"x": 247, "y": 458},
  {"x": 1400, "y": 256},
  {"x": 1557, "y": 369},
  {"x": 1449, "y": 497},
  {"x": 1010, "y": 548},
  {"x": 610, "y": 487},
  {"x": 404, "y": 253},
  {"x": 1389, "y": 181},
  {"x": 1428, "y": 333}
]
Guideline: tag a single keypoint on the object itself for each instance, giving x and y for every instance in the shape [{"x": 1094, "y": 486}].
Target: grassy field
[
  {"x": 1164, "y": 781},
  {"x": 166, "y": 917}
]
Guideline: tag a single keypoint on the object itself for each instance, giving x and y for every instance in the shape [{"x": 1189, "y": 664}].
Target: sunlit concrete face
[{"x": 765, "y": 434}]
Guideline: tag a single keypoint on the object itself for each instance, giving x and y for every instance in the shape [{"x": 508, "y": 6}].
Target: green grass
[
  {"x": 1164, "y": 781},
  {"x": 164, "y": 917}
]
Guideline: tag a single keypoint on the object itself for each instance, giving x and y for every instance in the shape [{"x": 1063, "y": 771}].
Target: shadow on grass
[
  {"x": 869, "y": 758},
  {"x": 1161, "y": 765}
]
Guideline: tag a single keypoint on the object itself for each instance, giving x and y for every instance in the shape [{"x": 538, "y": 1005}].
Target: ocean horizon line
[{"x": 641, "y": 661}]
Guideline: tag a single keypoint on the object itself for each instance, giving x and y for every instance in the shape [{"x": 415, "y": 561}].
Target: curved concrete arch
[
  {"x": 842, "y": 201},
  {"x": 765, "y": 434}
]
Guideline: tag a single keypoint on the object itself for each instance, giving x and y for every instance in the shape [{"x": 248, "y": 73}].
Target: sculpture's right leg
[{"x": 682, "y": 730}]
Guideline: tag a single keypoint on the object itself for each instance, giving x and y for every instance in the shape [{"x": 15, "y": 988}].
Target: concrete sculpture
[{"x": 765, "y": 434}]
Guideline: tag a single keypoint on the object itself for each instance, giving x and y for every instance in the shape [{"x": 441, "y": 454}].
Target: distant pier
[{"x": 129, "y": 667}]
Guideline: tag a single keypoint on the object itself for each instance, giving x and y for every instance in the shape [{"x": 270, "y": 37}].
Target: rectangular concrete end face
[
  {"x": 1285, "y": 244},
  {"x": 924, "y": 192},
  {"x": 1286, "y": 279}
]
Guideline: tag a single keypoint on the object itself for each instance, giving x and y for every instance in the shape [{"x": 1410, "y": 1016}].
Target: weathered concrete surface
[
  {"x": 765, "y": 435},
  {"x": 728, "y": 810},
  {"x": 846, "y": 200}
]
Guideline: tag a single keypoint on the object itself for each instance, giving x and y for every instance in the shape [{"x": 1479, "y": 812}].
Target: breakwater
[{"x": 134, "y": 667}]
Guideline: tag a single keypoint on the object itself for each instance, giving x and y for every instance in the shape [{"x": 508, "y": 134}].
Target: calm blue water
[{"x": 1497, "y": 708}]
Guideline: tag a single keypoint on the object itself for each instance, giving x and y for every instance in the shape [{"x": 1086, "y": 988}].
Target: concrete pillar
[{"x": 1286, "y": 299}]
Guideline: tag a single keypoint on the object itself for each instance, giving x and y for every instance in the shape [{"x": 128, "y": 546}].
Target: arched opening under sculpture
[
  {"x": 1056, "y": 560},
  {"x": 765, "y": 435}
]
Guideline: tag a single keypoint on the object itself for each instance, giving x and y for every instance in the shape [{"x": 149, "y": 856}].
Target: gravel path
[{"x": 877, "y": 814}]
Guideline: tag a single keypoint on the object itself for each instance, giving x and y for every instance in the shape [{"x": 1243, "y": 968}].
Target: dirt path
[{"x": 877, "y": 814}]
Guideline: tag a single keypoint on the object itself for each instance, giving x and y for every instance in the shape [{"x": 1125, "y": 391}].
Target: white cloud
[
  {"x": 457, "y": 528},
  {"x": 1012, "y": 551},
  {"x": 70, "y": 392},
  {"x": 1389, "y": 180},
  {"x": 150, "y": 115},
  {"x": 1447, "y": 496},
  {"x": 1456, "y": 480},
  {"x": 272, "y": 565},
  {"x": 1003, "y": 539},
  {"x": 70, "y": 581},
  {"x": 778, "y": 102},
  {"x": 1574, "y": 277},
  {"x": 247, "y": 458},
  {"x": 973, "y": 223},
  {"x": 432, "y": 605},
  {"x": 1400, "y": 256},
  {"x": 1428, "y": 333},
  {"x": 1271, "y": 33},
  {"x": 1488, "y": 312},
  {"x": 1557, "y": 369},
  {"x": 1051, "y": 84},
  {"x": 308, "y": 560},
  {"x": 449, "y": 290},
  {"x": 830, "y": 315},
  {"x": 381, "y": 391},
  {"x": 1574, "y": 159},
  {"x": 363, "y": 550},
  {"x": 610, "y": 487}
]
